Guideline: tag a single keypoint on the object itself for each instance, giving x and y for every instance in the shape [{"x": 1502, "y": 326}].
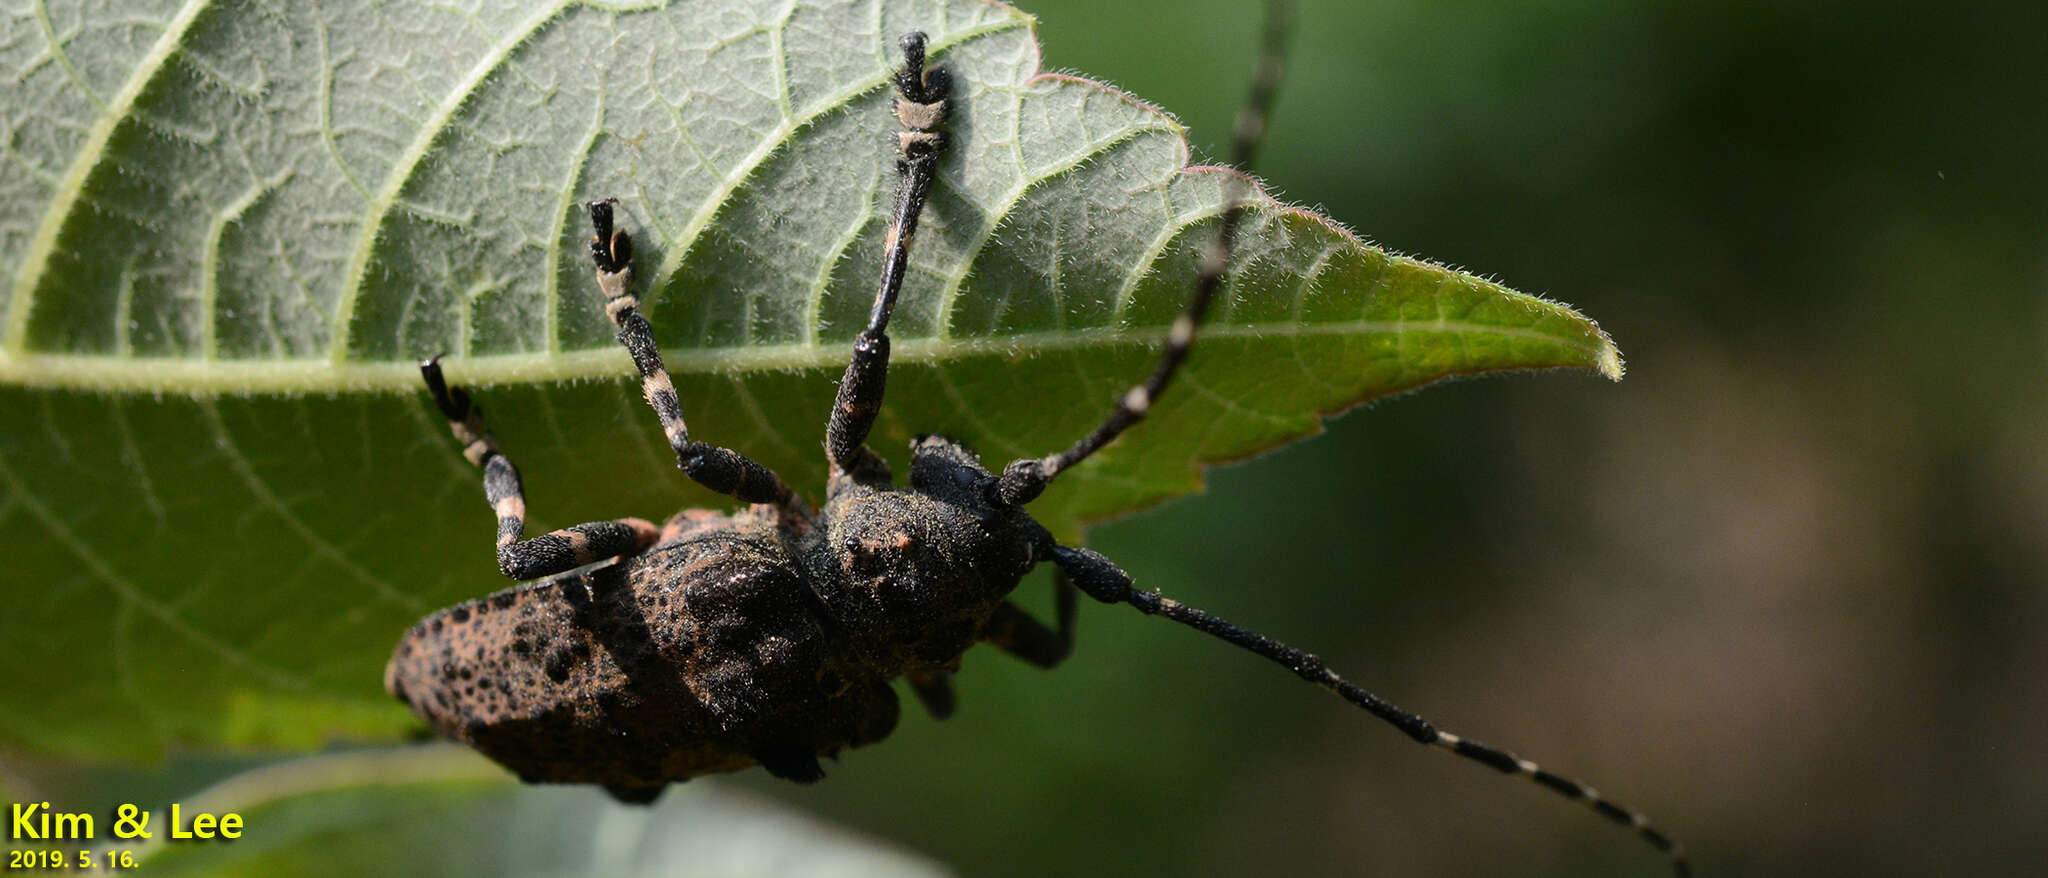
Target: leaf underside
[{"x": 229, "y": 232}]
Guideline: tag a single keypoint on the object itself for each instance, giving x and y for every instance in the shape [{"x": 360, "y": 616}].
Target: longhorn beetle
[{"x": 770, "y": 635}]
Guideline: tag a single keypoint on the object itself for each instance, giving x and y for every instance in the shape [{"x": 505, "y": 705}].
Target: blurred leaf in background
[{"x": 442, "y": 810}]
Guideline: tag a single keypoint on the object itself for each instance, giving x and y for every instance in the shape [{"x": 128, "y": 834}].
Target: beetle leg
[
  {"x": 549, "y": 553},
  {"x": 934, "y": 690},
  {"x": 790, "y": 762},
  {"x": 1017, "y": 633},
  {"x": 720, "y": 469},
  {"x": 920, "y": 106},
  {"x": 632, "y": 795}
]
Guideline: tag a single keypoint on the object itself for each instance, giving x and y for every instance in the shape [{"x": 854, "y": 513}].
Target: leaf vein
[
  {"x": 327, "y": 130},
  {"x": 431, "y": 129},
  {"x": 949, "y": 293},
  {"x": 63, "y": 58},
  {"x": 257, "y": 486},
  {"x": 752, "y": 407},
  {"x": 36, "y": 258},
  {"x": 89, "y": 559},
  {"x": 672, "y": 259},
  {"x": 552, "y": 319},
  {"x": 1310, "y": 279},
  {"x": 132, "y": 454},
  {"x": 967, "y": 411},
  {"x": 1157, "y": 250},
  {"x": 814, "y": 307}
]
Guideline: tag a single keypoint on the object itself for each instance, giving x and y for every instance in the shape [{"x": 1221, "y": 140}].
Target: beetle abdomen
[{"x": 704, "y": 654}]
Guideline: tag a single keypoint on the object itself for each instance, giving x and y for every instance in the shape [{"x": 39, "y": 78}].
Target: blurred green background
[{"x": 1782, "y": 588}]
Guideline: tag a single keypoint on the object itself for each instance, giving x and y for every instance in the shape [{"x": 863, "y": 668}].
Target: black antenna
[{"x": 1101, "y": 579}]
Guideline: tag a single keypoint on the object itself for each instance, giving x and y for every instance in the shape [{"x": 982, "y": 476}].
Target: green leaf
[{"x": 230, "y": 230}]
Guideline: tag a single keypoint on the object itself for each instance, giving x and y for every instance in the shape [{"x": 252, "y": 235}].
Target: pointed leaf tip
[{"x": 214, "y": 327}]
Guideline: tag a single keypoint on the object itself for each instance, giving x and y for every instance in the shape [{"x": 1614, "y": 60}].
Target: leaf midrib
[{"x": 176, "y": 375}]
